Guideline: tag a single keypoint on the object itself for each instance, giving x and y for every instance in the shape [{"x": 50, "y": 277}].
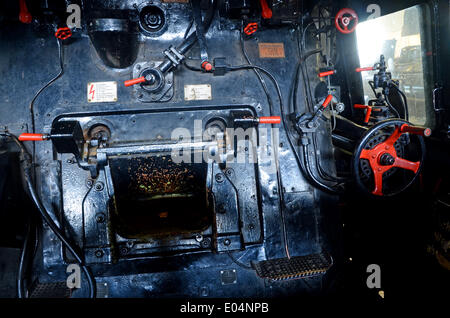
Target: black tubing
[
  {"x": 192, "y": 38},
  {"x": 27, "y": 172}
]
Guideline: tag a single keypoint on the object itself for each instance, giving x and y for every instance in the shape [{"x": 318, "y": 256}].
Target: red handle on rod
[
  {"x": 421, "y": 131},
  {"x": 368, "y": 111},
  {"x": 134, "y": 81},
  {"x": 24, "y": 15},
  {"x": 32, "y": 137},
  {"x": 363, "y": 69},
  {"x": 327, "y": 73},
  {"x": 266, "y": 12},
  {"x": 327, "y": 101},
  {"x": 270, "y": 120}
]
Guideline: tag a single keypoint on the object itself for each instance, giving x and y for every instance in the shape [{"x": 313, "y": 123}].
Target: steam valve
[
  {"x": 24, "y": 15},
  {"x": 266, "y": 12}
]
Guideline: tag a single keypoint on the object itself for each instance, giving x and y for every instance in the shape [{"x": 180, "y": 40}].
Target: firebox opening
[{"x": 155, "y": 197}]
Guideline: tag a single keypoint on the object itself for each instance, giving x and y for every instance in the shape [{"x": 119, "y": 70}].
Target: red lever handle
[
  {"x": 327, "y": 101},
  {"x": 266, "y": 11},
  {"x": 363, "y": 69},
  {"x": 368, "y": 111},
  {"x": 32, "y": 137},
  {"x": 421, "y": 131},
  {"x": 24, "y": 15},
  {"x": 134, "y": 81},
  {"x": 269, "y": 120},
  {"x": 327, "y": 73}
]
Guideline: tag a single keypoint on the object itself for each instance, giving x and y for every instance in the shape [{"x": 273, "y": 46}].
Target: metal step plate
[
  {"x": 294, "y": 267},
  {"x": 50, "y": 290}
]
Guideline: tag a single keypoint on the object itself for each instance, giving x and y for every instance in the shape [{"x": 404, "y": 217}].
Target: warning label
[
  {"x": 197, "y": 92},
  {"x": 271, "y": 50},
  {"x": 101, "y": 92}
]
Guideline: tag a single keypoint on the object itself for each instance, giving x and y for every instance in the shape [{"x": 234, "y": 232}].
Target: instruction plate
[
  {"x": 101, "y": 92},
  {"x": 271, "y": 50},
  {"x": 197, "y": 92}
]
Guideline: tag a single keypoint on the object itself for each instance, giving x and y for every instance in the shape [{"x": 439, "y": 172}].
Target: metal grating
[{"x": 294, "y": 267}]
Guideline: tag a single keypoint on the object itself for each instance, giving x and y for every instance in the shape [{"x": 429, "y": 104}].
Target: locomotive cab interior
[{"x": 224, "y": 149}]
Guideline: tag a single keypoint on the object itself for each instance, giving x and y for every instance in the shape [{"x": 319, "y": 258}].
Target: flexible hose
[
  {"x": 192, "y": 38},
  {"x": 307, "y": 172},
  {"x": 21, "y": 290},
  {"x": 27, "y": 172}
]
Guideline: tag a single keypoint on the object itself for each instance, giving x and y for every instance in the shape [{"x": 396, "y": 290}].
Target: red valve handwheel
[
  {"x": 343, "y": 20},
  {"x": 251, "y": 28},
  {"x": 384, "y": 157},
  {"x": 63, "y": 33}
]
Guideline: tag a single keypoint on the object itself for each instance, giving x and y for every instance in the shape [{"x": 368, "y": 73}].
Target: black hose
[
  {"x": 50, "y": 82},
  {"x": 192, "y": 38},
  {"x": 307, "y": 171},
  {"x": 404, "y": 101},
  {"x": 305, "y": 165},
  {"x": 27, "y": 172},
  {"x": 192, "y": 68},
  {"x": 386, "y": 97},
  {"x": 23, "y": 262},
  {"x": 61, "y": 72},
  {"x": 260, "y": 78}
]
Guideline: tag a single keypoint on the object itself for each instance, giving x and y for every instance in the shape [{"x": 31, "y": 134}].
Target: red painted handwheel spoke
[
  {"x": 394, "y": 137},
  {"x": 378, "y": 177},
  {"x": 406, "y": 164},
  {"x": 365, "y": 154},
  {"x": 383, "y": 156}
]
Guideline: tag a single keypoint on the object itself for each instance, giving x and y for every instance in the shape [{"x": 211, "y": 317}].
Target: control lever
[
  {"x": 327, "y": 73},
  {"x": 66, "y": 136},
  {"x": 309, "y": 122},
  {"x": 135, "y": 81},
  {"x": 416, "y": 130},
  {"x": 266, "y": 12},
  {"x": 313, "y": 122},
  {"x": 368, "y": 111},
  {"x": 364, "y": 69},
  {"x": 24, "y": 15},
  {"x": 259, "y": 120},
  {"x": 33, "y": 137}
]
